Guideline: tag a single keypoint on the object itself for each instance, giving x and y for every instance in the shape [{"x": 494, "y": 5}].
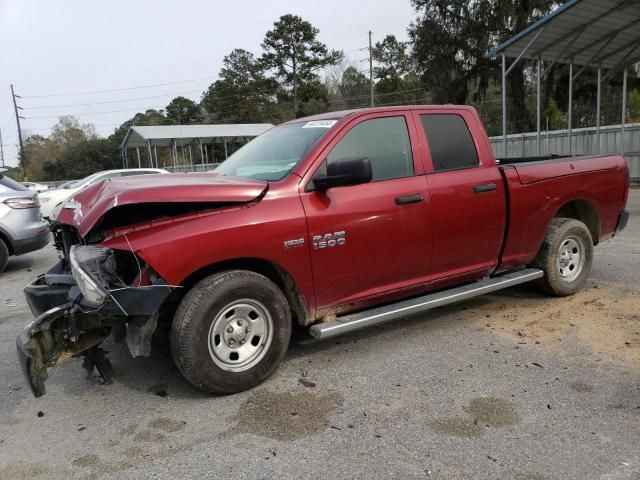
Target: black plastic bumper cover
[
  {"x": 622, "y": 221},
  {"x": 31, "y": 354},
  {"x": 47, "y": 340}
]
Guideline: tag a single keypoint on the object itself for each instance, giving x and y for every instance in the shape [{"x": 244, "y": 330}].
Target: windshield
[{"x": 272, "y": 155}]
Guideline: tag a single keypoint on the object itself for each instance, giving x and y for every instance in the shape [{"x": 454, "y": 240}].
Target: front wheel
[
  {"x": 565, "y": 257},
  {"x": 231, "y": 331}
]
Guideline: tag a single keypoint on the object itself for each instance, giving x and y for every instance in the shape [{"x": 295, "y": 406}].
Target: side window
[
  {"x": 385, "y": 141},
  {"x": 450, "y": 142}
]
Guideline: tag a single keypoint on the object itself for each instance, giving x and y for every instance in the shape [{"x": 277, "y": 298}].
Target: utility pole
[
  {"x": 23, "y": 160},
  {"x": 1, "y": 149},
  {"x": 371, "y": 67}
]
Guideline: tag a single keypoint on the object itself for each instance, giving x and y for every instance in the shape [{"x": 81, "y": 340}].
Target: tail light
[{"x": 20, "y": 203}]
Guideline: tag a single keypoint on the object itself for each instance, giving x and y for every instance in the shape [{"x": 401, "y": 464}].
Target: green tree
[
  {"x": 183, "y": 111},
  {"x": 37, "y": 150},
  {"x": 65, "y": 135},
  {"x": 313, "y": 98},
  {"x": 149, "y": 117},
  {"x": 84, "y": 158},
  {"x": 451, "y": 39},
  {"x": 243, "y": 93},
  {"x": 634, "y": 105},
  {"x": 393, "y": 64},
  {"x": 557, "y": 118},
  {"x": 69, "y": 131},
  {"x": 354, "y": 88},
  {"x": 295, "y": 55}
]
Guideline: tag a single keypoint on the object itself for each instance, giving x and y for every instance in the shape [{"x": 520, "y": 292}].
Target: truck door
[
  {"x": 371, "y": 238},
  {"x": 468, "y": 203}
]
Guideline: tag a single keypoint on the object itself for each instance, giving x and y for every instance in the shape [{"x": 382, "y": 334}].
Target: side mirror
[{"x": 344, "y": 172}]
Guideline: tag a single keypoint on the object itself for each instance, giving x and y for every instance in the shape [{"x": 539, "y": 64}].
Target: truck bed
[{"x": 591, "y": 188}]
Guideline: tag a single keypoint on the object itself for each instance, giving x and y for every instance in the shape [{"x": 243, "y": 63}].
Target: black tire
[
  {"x": 192, "y": 331},
  {"x": 559, "y": 278},
  {"x": 4, "y": 255}
]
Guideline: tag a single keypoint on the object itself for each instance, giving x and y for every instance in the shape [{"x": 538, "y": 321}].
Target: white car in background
[
  {"x": 50, "y": 199},
  {"x": 35, "y": 187}
]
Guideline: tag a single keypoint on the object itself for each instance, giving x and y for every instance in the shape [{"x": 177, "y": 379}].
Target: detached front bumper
[
  {"x": 65, "y": 325},
  {"x": 32, "y": 354}
]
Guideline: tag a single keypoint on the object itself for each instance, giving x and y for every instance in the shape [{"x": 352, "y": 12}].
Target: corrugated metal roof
[
  {"x": 162, "y": 135},
  {"x": 587, "y": 32}
]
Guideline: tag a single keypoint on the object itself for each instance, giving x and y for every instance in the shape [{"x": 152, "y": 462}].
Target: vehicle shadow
[
  {"x": 18, "y": 263},
  {"x": 158, "y": 375}
]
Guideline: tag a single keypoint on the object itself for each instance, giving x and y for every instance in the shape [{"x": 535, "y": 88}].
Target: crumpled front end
[{"x": 93, "y": 292}]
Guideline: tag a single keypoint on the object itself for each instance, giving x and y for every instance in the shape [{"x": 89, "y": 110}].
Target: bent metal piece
[{"x": 376, "y": 316}]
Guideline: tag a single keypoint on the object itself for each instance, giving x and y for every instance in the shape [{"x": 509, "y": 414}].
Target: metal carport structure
[
  {"x": 172, "y": 136},
  {"x": 604, "y": 34}
]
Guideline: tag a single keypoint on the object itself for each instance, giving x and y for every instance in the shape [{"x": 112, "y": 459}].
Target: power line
[
  {"x": 119, "y": 74},
  {"x": 118, "y": 89},
  {"x": 124, "y": 100},
  {"x": 336, "y": 100}
]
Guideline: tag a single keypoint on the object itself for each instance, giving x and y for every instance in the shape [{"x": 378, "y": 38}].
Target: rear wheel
[
  {"x": 231, "y": 331},
  {"x": 4, "y": 255},
  {"x": 565, "y": 257}
]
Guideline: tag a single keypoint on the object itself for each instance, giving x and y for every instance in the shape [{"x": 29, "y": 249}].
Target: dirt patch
[
  {"x": 133, "y": 452},
  {"x": 129, "y": 429},
  {"x": 89, "y": 460},
  {"x": 167, "y": 424},
  {"x": 595, "y": 317},
  {"x": 285, "y": 416},
  {"x": 457, "y": 427},
  {"x": 492, "y": 412},
  {"x": 529, "y": 476},
  {"x": 581, "y": 387},
  {"x": 149, "y": 436},
  {"x": 481, "y": 412},
  {"x": 24, "y": 471}
]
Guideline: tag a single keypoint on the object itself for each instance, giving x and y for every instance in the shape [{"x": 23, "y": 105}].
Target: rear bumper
[
  {"x": 623, "y": 219},
  {"x": 40, "y": 237}
]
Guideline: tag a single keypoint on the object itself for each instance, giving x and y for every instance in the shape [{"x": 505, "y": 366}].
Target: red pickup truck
[{"x": 336, "y": 222}]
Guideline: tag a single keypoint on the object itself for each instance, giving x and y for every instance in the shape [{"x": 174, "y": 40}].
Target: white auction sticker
[{"x": 320, "y": 124}]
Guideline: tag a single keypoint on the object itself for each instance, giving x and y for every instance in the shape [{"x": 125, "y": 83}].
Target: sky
[{"x": 139, "y": 54}]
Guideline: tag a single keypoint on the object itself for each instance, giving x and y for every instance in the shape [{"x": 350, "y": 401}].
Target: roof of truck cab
[{"x": 358, "y": 111}]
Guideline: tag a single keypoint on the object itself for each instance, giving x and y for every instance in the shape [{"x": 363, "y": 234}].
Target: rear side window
[
  {"x": 7, "y": 184},
  {"x": 385, "y": 141},
  {"x": 450, "y": 142}
]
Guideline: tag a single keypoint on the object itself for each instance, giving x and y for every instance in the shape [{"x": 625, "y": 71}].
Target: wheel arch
[
  {"x": 269, "y": 269},
  {"x": 584, "y": 211}
]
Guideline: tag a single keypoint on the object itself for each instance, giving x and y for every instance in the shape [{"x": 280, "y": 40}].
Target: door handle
[
  {"x": 489, "y": 187},
  {"x": 409, "y": 199}
]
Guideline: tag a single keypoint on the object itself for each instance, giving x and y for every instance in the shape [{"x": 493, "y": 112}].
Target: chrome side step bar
[{"x": 378, "y": 315}]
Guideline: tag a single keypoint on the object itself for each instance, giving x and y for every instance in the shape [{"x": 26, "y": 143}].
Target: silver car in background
[{"x": 22, "y": 228}]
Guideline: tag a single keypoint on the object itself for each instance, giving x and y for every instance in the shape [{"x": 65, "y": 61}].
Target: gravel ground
[{"x": 513, "y": 385}]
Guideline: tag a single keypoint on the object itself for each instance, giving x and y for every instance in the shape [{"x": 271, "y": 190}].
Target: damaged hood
[{"x": 87, "y": 207}]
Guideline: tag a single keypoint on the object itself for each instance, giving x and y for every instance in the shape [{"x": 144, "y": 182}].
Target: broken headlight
[{"x": 89, "y": 266}]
